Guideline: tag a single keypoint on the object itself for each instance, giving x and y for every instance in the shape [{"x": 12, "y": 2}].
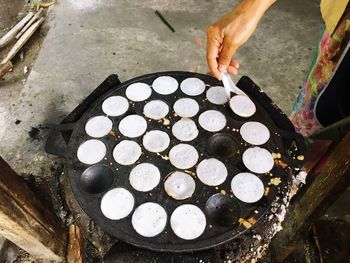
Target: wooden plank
[
  {"x": 315, "y": 152},
  {"x": 75, "y": 250},
  {"x": 23, "y": 39},
  {"x": 331, "y": 179},
  {"x": 25, "y": 221},
  {"x": 10, "y": 36}
]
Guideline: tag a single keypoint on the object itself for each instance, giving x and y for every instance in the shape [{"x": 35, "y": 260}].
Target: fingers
[
  {"x": 226, "y": 54},
  {"x": 212, "y": 61},
  {"x": 233, "y": 67},
  {"x": 219, "y": 55},
  {"x": 232, "y": 70},
  {"x": 213, "y": 46},
  {"x": 234, "y": 63}
]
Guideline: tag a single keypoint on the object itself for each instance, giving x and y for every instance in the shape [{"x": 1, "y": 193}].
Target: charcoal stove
[{"x": 225, "y": 214}]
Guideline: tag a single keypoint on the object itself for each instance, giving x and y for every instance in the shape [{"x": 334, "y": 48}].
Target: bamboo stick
[
  {"x": 10, "y": 36},
  {"x": 37, "y": 15},
  {"x": 24, "y": 38}
]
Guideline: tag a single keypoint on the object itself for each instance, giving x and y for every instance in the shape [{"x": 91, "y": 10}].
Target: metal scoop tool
[{"x": 229, "y": 85}]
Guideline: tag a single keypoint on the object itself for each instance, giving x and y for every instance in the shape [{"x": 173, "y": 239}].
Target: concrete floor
[{"x": 90, "y": 39}]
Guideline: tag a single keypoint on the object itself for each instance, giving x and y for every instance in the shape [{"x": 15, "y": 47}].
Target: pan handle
[
  {"x": 56, "y": 143},
  {"x": 295, "y": 145}
]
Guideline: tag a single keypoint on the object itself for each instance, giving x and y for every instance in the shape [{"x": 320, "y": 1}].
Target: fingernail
[{"x": 222, "y": 68}]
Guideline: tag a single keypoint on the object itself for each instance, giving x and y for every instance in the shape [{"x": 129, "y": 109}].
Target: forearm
[
  {"x": 255, "y": 7},
  {"x": 227, "y": 34}
]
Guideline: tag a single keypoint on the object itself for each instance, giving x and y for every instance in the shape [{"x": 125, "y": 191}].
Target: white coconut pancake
[
  {"x": 149, "y": 219},
  {"x": 98, "y": 126},
  {"x": 185, "y": 130},
  {"x": 258, "y": 160},
  {"x": 247, "y": 187},
  {"x": 156, "y": 109},
  {"x": 115, "y": 106},
  {"x": 217, "y": 95},
  {"x": 138, "y": 91},
  {"x": 186, "y": 107},
  {"x": 242, "y": 105},
  {"x": 254, "y": 132},
  {"x": 156, "y": 141},
  {"x": 144, "y": 177},
  {"x": 126, "y": 152},
  {"x": 212, "y": 120},
  {"x": 188, "y": 222},
  {"x": 91, "y": 151},
  {"x": 117, "y": 203},
  {"x": 192, "y": 86},
  {"x": 183, "y": 156},
  {"x": 132, "y": 126},
  {"x": 211, "y": 172},
  {"x": 165, "y": 85},
  {"x": 179, "y": 185}
]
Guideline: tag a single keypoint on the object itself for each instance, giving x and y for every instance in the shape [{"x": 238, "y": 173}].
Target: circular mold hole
[
  {"x": 96, "y": 179},
  {"x": 223, "y": 145},
  {"x": 223, "y": 209}
]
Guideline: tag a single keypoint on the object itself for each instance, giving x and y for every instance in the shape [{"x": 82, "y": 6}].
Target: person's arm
[{"x": 226, "y": 35}]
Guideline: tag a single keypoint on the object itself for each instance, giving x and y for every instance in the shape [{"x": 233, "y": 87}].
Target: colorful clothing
[
  {"x": 330, "y": 49},
  {"x": 332, "y": 11}
]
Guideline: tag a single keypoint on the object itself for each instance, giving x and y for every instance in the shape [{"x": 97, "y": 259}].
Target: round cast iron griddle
[{"x": 223, "y": 210}]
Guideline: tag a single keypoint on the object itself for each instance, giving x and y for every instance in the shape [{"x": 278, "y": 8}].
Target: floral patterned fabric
[{"x": 330, "y": 49}]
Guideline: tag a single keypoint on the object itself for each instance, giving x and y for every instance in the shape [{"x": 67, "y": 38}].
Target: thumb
[{"x": 225, "y": 56}]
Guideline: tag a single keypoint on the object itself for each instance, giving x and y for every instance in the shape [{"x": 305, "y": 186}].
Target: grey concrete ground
[{"x": 90, "y": 39}]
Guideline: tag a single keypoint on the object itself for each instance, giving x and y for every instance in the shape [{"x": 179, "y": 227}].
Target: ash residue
[
  {"x": 57, "y": 193},
  {"x": 253, "y": 244},
  {"x": 35, "y": 132}
]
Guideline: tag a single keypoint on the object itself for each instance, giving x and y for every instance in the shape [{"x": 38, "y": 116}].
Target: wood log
[
  {"x": 37, "y": 15},
  {"x": 11, "y": 35},
  {"x": 4, "y": 68},
  {"x": 75, "y": 250},
  {"x": 328, "y": 184},
  {"x": 24, "y": 38},
  {"x": 26, "y": 221},
  {"x": 92, "y": 233}
]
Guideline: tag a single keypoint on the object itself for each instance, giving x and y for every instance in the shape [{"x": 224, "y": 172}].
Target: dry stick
[
  {"x": 317, "y": 242},
  {"x": 24, "y": 38},
  {"x": 75, "y": 249},
  {"x": 164, "y": 21},
  {"x": 39, "y": 14},
  {"x": 10, "y": 36},
  {"x": 4, "y": 68},
  {"x": 45, "y": 5}
]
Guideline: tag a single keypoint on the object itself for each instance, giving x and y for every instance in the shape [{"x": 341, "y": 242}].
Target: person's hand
[{"x": 226, "y": 35}]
